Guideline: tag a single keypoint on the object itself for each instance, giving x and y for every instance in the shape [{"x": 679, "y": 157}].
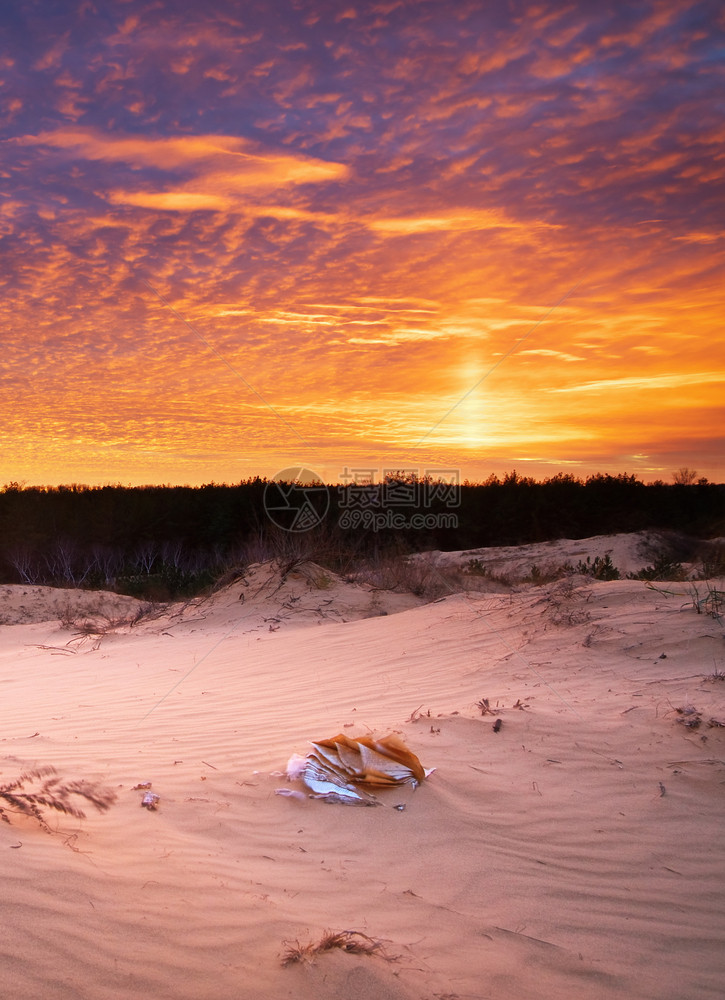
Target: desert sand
[{"x": 576, "y": 852}]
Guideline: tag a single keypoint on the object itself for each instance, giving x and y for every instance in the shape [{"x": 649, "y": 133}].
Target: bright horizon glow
[{"x": 405, "y": 235}]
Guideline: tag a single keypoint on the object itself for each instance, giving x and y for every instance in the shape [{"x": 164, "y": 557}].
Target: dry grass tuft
[
  {"x": 712, "y": 603},
  {"x": 565, "y": 604},
  {"x": 689, "y": 716},
  {"x": 42, "y": 788},
  {"x": 352, "y": 942},
  {"x": 97, "y": 624}
]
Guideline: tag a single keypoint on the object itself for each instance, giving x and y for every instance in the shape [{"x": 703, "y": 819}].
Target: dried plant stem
[
  {"x": 42, "y": 788},
  {"x": 353, "y": 942}
]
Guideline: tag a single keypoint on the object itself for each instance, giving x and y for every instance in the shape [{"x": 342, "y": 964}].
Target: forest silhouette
[{"x": 169, "y": 541}]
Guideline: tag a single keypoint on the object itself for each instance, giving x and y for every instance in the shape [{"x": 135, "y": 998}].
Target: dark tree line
[{"x": 172, "y": 540}]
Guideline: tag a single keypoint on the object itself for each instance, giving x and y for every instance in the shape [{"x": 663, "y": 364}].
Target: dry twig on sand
[{"x": 352, "y": 942}]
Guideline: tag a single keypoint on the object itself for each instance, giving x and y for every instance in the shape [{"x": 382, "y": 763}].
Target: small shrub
[
  {"x": 565, "y": 604},
  {"x": 713, "y": 562},
  {"x": 601, "y": 569},
  {"x": 663, "y": 568},
  {"x": 549, "y": 574},
  {"x": 477, "y": 568}
]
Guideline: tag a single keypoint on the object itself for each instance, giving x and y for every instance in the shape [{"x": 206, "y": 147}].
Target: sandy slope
[
  {"x": 629, "y": 552},
  {"x": 576, "y": 853}
]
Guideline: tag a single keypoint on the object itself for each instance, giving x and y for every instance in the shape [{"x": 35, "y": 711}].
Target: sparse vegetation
[
  {"x": 600, "y": 568},
  {"x": 712, "y": 557},
  {"x": 394, "y": 571},
  {"x": 548, "y": 574},
  {"x": 691, "y": 718},
  {"x": 565, "y": 604},
  {"x": 476, "y": 567},
  {"x": 95, "y": 622},
  {"x": 663, "y": 568},
  {"x": 711, "y": 603}
]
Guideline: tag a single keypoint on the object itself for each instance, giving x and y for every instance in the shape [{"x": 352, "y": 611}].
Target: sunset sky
[{"x": 421, "y": 234}]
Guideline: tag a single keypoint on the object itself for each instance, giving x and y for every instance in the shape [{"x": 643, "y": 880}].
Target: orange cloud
[
  {"x": 675, "y": 381},
  {"x": 472, "y": 220},
  {"x": 171, "y": 201},
  {"x": 220, "y": 169},
  {"x": 184, "y": 151}
]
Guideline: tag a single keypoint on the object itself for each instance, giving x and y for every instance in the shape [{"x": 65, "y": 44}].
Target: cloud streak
[{"x": 648, "y": 382}]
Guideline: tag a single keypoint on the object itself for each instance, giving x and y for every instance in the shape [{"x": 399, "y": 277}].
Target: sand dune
[
  {"x": 629, "y": 552},
  {"x": 577, "y": 852}
]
